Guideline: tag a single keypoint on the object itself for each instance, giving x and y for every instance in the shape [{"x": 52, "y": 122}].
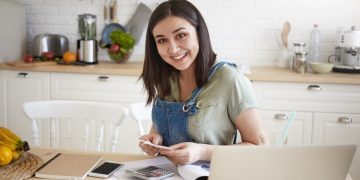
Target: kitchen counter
[{"x": 258, "y": 73}]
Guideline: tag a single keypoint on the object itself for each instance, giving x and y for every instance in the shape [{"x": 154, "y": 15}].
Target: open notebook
[
  {"x": 310, "y": 162},
  {"x": 68, "y": 166}
]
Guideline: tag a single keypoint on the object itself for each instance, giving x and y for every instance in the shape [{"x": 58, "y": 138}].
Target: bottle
[{"x": 314, "y": 44}]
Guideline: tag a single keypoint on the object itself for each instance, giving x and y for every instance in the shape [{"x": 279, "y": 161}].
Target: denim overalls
[{"x": 171, "y": 118}]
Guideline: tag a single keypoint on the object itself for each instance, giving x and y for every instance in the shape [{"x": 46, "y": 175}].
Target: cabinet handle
[
  {"x": 23, "y": 75},
  {"x": 314, "y": 88},
  {"x": 281, "y": 116},
  {"x": 104, "y": 78},
  {"x": 345, "y": 120}
]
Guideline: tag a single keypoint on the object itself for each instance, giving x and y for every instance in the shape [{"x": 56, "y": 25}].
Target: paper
[
  {"x": 161, "y": 161},
  {"x": 194, "y": 170},
  {"x": 155, "y": 145}
]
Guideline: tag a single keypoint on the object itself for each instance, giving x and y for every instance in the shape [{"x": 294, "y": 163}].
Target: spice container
[
  {"x": 299, "y": 47},
  {"x": 299, "y": 62}
]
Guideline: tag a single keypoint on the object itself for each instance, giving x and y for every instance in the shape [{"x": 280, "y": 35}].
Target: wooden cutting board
[{"x": 36, "y": 63}]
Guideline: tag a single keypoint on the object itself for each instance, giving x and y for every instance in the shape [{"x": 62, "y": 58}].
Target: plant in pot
[{"x": 122, "y": 45}]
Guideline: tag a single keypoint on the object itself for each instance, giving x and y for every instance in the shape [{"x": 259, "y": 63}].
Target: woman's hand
[
  {"x": 187, "y": 153},
  {"x": 153, "y": 138}
]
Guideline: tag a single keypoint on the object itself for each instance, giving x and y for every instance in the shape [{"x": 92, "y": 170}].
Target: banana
[
  {"x": 16, "y": 155},
  {"x": 6, "y": 138},
  {"x": 11, "y": 146},
  {"x": 10, "y": 134}
]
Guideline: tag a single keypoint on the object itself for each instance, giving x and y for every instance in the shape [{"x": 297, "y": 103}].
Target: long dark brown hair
[{"x": 156, "y": 72}]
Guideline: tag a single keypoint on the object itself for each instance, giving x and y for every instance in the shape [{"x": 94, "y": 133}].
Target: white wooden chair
[
  {"x": 75, "y": 124},
  {"x": 141, "y": 113}
]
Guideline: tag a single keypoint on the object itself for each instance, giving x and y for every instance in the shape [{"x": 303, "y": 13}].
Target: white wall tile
[{"x": 240, "y": 30}]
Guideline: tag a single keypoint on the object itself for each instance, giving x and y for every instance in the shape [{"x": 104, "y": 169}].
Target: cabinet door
[
  {"x": 299, "y": 131},
  {"x": 336, "y": 128},
  {"x": 112, "y": 88},
  {"x": 2, "y": 98},
  {"x": 21, "y": 87}
]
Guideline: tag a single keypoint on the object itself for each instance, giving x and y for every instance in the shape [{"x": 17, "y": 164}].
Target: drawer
[
  {"x": 308, "y": 97},
  {"x": 113, "y": 88}
]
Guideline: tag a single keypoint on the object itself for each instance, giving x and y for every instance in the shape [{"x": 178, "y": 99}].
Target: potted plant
[{"x": 122, "y": 45}]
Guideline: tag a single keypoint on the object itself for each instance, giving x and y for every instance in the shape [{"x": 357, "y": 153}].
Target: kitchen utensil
[
  {"x": 285, "y": 33},
  {"x": 107, "y": 12},
  {"x": 56, "y": 43},
  {"x": 138, "y": 21},
  {"x": 87, "y": 49},
  {"x": 113, "y": 11},
  {"x": 105, "y": 41}
]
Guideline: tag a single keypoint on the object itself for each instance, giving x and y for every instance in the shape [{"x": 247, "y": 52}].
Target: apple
[
  {"x": 28, "y": 58},
  {"x": 48, "y": 55},
  {"x": 115, "y": 48}
]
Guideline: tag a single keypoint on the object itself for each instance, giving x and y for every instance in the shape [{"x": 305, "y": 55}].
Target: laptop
[{"x": 306, "y": 162}]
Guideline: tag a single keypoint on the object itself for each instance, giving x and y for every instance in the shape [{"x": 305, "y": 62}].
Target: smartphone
[
  {"x": 105, "y": 169},
  {"x": 151, "y": 173}
]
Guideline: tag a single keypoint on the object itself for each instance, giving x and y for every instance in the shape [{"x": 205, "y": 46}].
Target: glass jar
[{"x": 299, "y": 62}]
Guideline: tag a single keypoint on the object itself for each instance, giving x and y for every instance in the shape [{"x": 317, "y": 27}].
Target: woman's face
[{"x": 177, "y": 42}]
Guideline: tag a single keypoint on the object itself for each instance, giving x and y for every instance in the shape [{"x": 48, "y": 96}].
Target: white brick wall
[{"x": 241, "y": 30}]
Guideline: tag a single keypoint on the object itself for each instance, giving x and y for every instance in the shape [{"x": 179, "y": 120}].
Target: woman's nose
[{"x": 173, "y": 47}]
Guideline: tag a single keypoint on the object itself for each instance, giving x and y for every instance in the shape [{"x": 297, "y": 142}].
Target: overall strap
[{"x": 214, "y": 69}]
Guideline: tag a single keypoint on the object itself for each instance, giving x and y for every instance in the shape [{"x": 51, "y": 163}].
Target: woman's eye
[
  {"x": 181, "y": 35},
  {"x": 160, "y": 41}
]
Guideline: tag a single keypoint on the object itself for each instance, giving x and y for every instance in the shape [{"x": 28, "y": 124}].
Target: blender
[{"x": 87, "y": 49}]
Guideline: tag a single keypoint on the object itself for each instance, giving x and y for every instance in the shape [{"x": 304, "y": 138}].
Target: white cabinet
[
  {"x": 20, "y": 87},
  {"x": 323, "y": 109},
  {"x": 300, "y": 131},
  {"x": 339, "y": 128}
]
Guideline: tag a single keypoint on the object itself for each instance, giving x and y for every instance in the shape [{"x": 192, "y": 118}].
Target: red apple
[
  {"x": 48, "y": 55},
  {"x": 28, "y": 58},
  {"x": 115, "y": 48}
]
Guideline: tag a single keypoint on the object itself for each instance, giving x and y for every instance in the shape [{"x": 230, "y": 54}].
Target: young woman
[{"x": 198, "y": 101}]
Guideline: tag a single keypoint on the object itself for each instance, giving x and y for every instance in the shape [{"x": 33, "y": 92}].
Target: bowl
[
  {"x": 120, "y": 57},
  {"x": 321, "y": 68}
]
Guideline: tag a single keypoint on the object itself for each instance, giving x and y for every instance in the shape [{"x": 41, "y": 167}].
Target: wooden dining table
[{"x": 110, "y": 156}]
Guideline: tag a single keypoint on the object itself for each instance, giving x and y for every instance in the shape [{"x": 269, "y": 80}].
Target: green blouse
[{"x": 222, "y": 99}]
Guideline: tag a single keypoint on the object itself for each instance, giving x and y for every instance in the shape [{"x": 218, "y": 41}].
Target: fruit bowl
[
  {"x": 321, "y": 68},
  {"x": 120, "y": 57}
]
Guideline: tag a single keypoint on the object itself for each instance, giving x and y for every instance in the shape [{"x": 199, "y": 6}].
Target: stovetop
[{"x": 346, "y": 69}]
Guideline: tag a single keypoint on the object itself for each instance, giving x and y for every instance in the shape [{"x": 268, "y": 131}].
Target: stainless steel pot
[{"x": 56, "y": 43}]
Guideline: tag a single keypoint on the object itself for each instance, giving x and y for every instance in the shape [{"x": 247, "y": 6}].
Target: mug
[{"x": 334, "y": 59}]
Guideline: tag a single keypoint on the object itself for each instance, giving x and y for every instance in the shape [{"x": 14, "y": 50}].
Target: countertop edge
[{"x": 258, "y": 73}]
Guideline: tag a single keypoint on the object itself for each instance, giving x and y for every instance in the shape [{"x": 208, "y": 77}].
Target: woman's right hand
[{"x": 153, "y": 138}]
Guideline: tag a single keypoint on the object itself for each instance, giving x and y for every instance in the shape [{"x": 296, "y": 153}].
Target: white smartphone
[
  {"x": 105, "y": 169},
  {"x": 155, "y": 145}
]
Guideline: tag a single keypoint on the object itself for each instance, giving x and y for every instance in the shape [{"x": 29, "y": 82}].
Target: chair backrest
[
  {"x": 141, "y": 113},
  {"x": 99, "y": 123}
]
